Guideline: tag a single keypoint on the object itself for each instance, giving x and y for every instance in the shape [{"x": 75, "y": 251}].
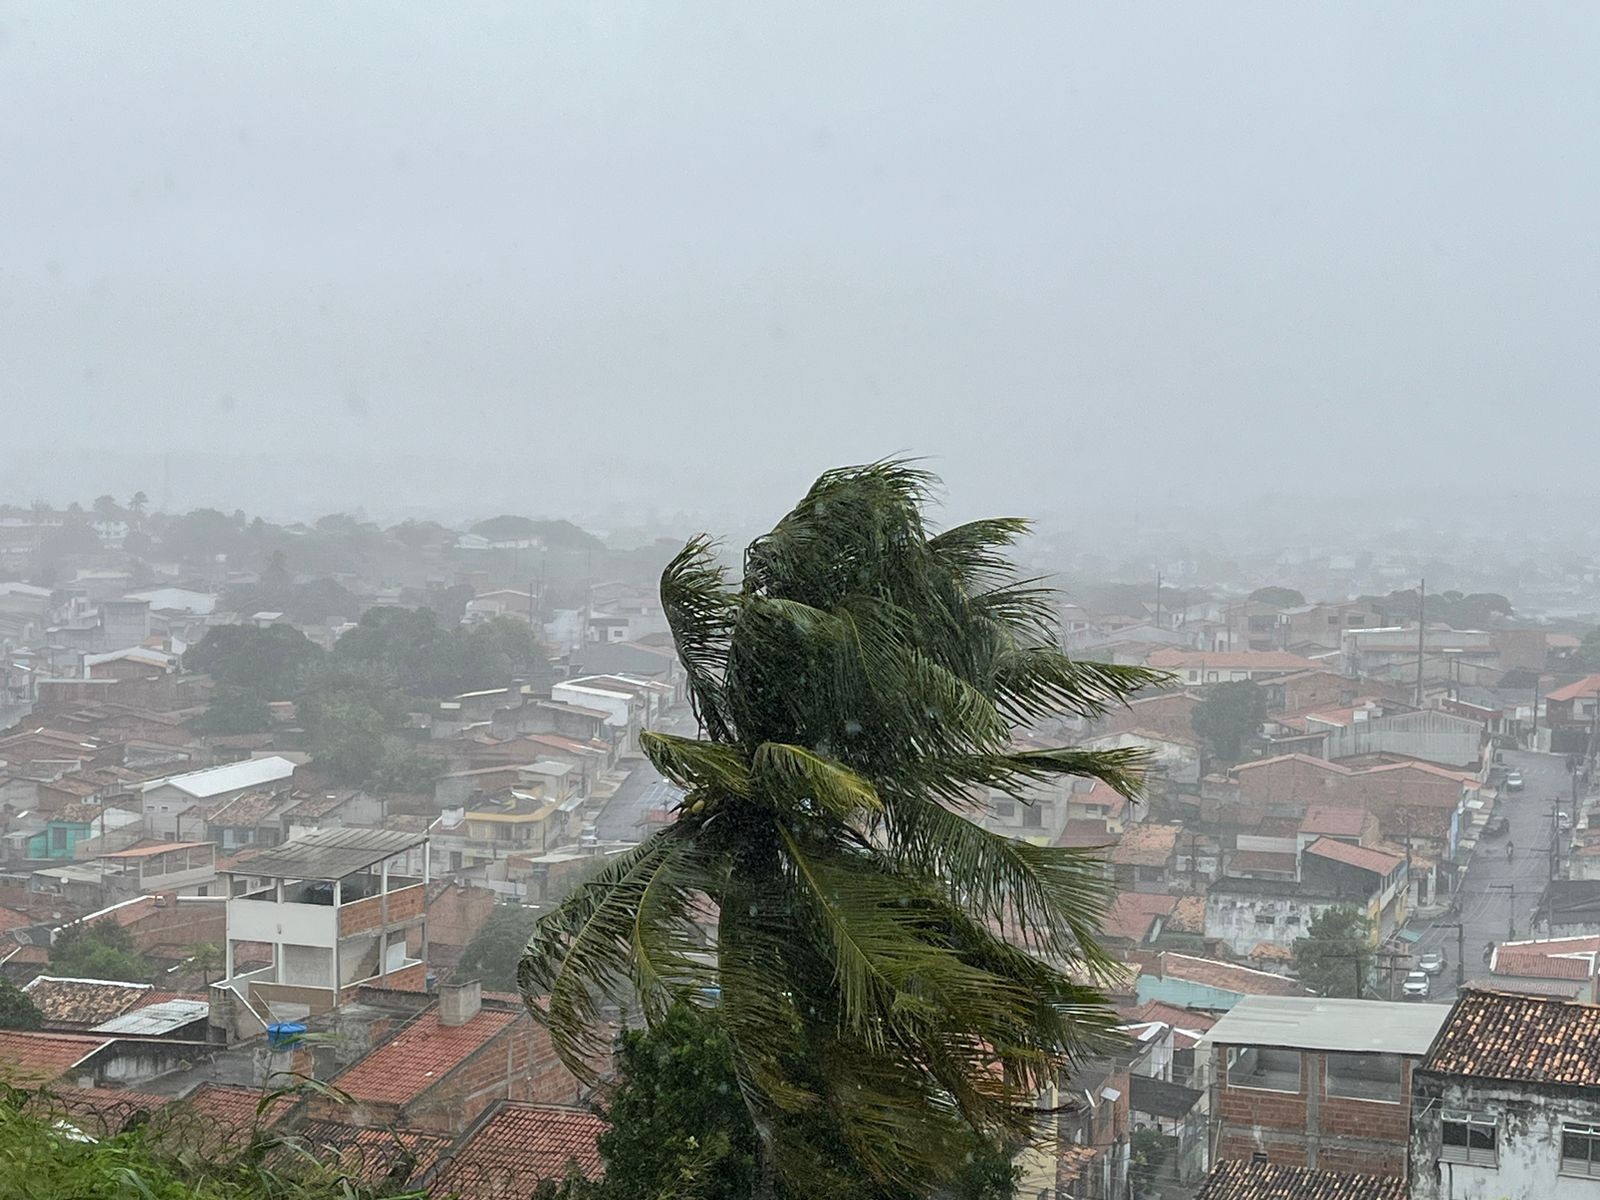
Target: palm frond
[
  {"x": 700, "y": 611},
  {"x": 1034, "y": 681},
  {"x": 694, "y": 765},
  {"x": 831, "y": 786}
]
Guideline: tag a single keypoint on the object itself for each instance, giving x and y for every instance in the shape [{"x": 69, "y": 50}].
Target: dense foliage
[
  {"x": 16, "y": 1010},
  {"x": 1282, "y": 597},
  {"x": 1229, "y": 718},
  {"x": 1335, "y": 956},
  {"x": 103, "y": 950},
  {"x": 858, "y": 693},
  {"x": 495, "y": 950}
]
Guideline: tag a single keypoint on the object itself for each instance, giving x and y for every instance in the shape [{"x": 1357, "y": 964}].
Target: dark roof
[
  {"x": 1269, "y": 1181},
  {"x": 1496, "y": 1035},
  {"x": 518, "y": 1145},
  {"x": 83, "y": 1003},
  {"x": 1162, "y": 1099},
  {"x": 328, "y": 853}
]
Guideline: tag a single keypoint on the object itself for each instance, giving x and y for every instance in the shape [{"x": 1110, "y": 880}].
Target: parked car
[
  {"x": 1430, "y": 963},
  {"x": 1514, "y": 781},
  {"x": 1497, "y": 827},
  {"x": 1417, "y": 986}
]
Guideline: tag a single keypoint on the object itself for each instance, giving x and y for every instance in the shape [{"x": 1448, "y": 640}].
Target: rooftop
[
  {"x": 520, "y": 1144},
  {"x": 1589, "y": 685},
  {"x": 1239, "y": 1180},
  {"x": 153, "y": 1020},
  {"x": 43, "y": 1057},
  {"x": 1132, "y": 915},
  {"x": 419, "y": 1056},
  {"x": 1379, "y": 862},
  {"x": 1330, "y": 821},
  {"x": 329, "y": 853},
  {"x": 1321, "y": 1023},
  {"x": 1231, "y": 660},
  {"x": 1496, "y": 1035},
  {"x": 373, "y": 1156},
  {"x": 213, "y": 781},
  {"x": 1227, "y": 977},
  {"x": 83, "y": 1002},
  {"x": 1145, "y": 845}
]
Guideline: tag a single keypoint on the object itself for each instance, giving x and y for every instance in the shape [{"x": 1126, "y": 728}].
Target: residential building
[
  {"x": 1508, "y": 1101},
  {"x": 1142, "y": 859},
  {"x": 167, "y": 800},
  {"x": 334, "y": 910},
  {"x": 515, "y": 1145},
  {"x": 1244, "y": 913},
  {"x": 1198, "y": 668},
  {"x": 1563, "y": 968},
  {"x": 1317, "y": 1082},
  {"x": 1208, "y": 984},
  {"x": 1254, "y": 1180}
]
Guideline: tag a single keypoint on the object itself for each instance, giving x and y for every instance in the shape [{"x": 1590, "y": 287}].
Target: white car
[
  {"x": 1514, "y": 781},
  {"x": 1430, "y": 963},
  {"x": 1417, "y": 985},
  {"x": 1564, "y": 820}
]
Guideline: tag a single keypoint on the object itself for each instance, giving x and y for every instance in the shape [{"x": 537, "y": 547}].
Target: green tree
[
  {"x": 1229, "y": 718},
  {"x": 1280, "y": 597},
  {"x": 1335, "y": 953},
  {"x": 504, "y": 647},
  {"x": 1149, "y": 1151},
  {"x": 16, "y": 1010},
  {"x": 1587, "y": 655},
  {"x": 857, "y": 690},
  {"x": 105, "y": 507},
  {"x": 677, "y": 1126},
  {"x": 495, "y": 950},
  {"x": 269, "y": 662},
  {"x": 233, "y": 710},
  {"x": 347, "y": 734},
  {"x": 104, "y": 950},
  {"x": 206, "y": 957}
]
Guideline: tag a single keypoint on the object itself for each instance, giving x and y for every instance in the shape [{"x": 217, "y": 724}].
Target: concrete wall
[{"x": 1528, "y": 1145}]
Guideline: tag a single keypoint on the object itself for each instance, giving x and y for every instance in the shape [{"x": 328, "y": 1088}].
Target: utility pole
[
  {"x": 1511, "y": 912},
  {"x": 1422, "y": 632},
  {"x": 1555, "y": 837},
  {"x": 1158, "y": 599},
  {"x": 1461, "y": 953}
]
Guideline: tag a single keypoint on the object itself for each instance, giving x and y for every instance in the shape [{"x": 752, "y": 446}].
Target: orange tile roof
[
  {"x": 1231, "y": 660},
  {"x": 1589, "y": 685},
  {"x": 1239, "y": 1180},
  {"x": 101, "y": 1112},
  {"x": 1335, "y": 820},
  {"x": 10, "y": 918},
  {"x": 1496, "y": 1035},
  {"x": 519, "y": 1145},
  {"x": 84, "y": 1002},
  {"x": 420, "y": 1055},
  {"x": 1554, "y": 958},
  {"x": 1132, "y": 915},
  {"x": 1227, "y": 977},
  {"x": 1188, "y": 915},
  {"x": 1363, "y": 858},
  {"x": 43, "y": 1057},
  {"x": 372, "y": 1156},
  {"x": 231, "y": 1108},
  {"x": 1146, "y": 845}
]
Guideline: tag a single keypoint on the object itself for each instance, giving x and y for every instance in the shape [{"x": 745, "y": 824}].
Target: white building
[{"x": 166, "y": 800}]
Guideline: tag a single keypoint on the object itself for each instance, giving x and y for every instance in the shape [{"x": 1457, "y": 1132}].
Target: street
[
  {"x": 1498, "y": 895},
  {"x": 622, "y": 818}
]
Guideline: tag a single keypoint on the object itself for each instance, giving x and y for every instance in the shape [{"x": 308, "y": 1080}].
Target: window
[
  {"x": 1033, "y": 816},
  {"x": 1470, "y": 1138},
  {"x": 1365, "y": 1077},
  {"x": 1580, "y": 1150},
  {"x": 1194, "y": 676},
  {"x": 1265, "y": 1068},
  {"x": 1003, "y": 807}
]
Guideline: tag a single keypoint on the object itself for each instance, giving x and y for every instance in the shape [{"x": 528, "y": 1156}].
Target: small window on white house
[
  {"x": 1194, "y": 676},
  {"x": 1469, "y": 1138},
  {"x": 1580, "y": 1150},
  {"x": 1033, "y": 815},
  {"x": 1003, "y": 806}
]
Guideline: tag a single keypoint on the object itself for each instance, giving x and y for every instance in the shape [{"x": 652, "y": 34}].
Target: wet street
[{"x": 1499, "y": 893}]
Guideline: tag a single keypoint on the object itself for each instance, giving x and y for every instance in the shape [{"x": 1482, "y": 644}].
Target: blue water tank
[{"x": 284, "y": 1033}]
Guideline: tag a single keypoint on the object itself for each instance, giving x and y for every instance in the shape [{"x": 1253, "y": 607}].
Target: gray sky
[{"x": 1240, "y": 248}]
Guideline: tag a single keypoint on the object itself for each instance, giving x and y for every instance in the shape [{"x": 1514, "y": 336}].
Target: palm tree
[{"x": 880, "y": 958}]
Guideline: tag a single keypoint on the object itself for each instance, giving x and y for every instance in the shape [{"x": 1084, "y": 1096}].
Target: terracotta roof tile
[
  {"x": 1334, "y": 821},
  {"x": 99, "y": 1112},
  {"x": 1589, "y": 685},
  {"x": 1132, "y": 915},
  {"x": 421, "y": 1054},
  {"x": 43, "y": 1057},
  {"x": 519, "y": 1145},
  {"x": 1496, "y": 1035},
  {"x": 369, "y": 1155},
  {"x": 1569, "y": 958},
  {"x": 1237, "y": 1180},
  {"x": 1228, "y": 977},
  {"x": 1146, "y": 845},
  {"x": 1188, "y": 915},
  {"x": 1229, "y": 660},
  {"x": 229, "y": 1108},
  {"x": 1363, "y": 858},
  {"x": 83, "y": 1003}
]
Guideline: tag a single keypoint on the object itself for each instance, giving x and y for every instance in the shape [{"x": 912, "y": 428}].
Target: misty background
[{"x": 1188, "y": 269}]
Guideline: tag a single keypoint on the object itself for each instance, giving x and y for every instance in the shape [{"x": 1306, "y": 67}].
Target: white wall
[
  {"x": 1528, "y": 1147},
  {"x": 269, "y": 921}
]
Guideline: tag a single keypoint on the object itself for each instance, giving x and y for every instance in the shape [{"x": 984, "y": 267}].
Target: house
[
  {"x": 249, "y": 820},
  {"x": 1317, "y": 1082},
  {"x": 1376, "y": 881},
  {"x": 1355, "y": 826},
  {"x": 1508, "y": 1101},
  {"x": 168, "y": 868},
  {"x": 1244, "y": 913},
  {"x": 333, "y": 911},
  {"x": 450, "y": 1063},
  {"x": 1135, "y": 919},
  {"x": 516, "y": 1145},
  {"x": 1170, "y": 714},
  {"x": 40, "y": 1059},
  {"x": 1233, "y": 1180},
  {"x": 1142, "y": 859},
  {"x": 166, "y": 801},
  {"x": 1571, "y": 712},
  {"x": 78, "y": 1005},
  {"x": 1174, "y": 758},
  {"x": 1208, "y": 984},
  {"x": 1197, "y": 668},
  {"x": 1563, "y": 968}
]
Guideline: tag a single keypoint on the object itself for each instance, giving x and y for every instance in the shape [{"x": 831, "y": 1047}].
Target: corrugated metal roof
[
  {"x": 328, "y": 853},
  {"x": 155, "y": 1019},
  {"x": 1320, "y": 1023},
  {"x": 213, "y": 781}
]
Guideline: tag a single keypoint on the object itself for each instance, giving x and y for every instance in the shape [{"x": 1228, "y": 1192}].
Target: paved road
[
  {"x": 622, "y": 819},
  {"x": 1498, "y": 895}
]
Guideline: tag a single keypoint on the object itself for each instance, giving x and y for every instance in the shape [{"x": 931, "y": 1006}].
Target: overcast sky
[{"x": 708, "y": 250}]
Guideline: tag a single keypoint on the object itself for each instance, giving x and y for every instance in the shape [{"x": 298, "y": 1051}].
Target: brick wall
[
  {"x": 366, "y": 914},
  {"x": 180, "y": 924},
  {"x": 457, "y": 913}
]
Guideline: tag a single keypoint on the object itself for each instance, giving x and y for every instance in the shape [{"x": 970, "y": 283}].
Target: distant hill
[{"x": 558, "y": 535}]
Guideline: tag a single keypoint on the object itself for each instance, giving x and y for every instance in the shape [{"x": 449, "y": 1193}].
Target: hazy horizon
[{"x": 670, "y": 259}]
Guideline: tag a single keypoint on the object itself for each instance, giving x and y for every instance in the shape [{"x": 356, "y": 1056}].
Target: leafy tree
[
  {"x": 451, "y": 603},
  {"x": 105, "y": 507},
  {"x": 16, "y": 1010},
  {"x": 1587, "y": 655},
  {"x": 234, "y": 710},
  {"x": 1335, "y": 953},
  {"x": 505, "y": 647},
  {"x": 1149, "y": 1150},
  {"x": 347, "y": 733},
  {"x": 137, "y": 503},
  {"x": 856, "y": 691},
  {"x": 104, "y": 950},
  {"x": 1230, "y": 717},
  {"x": 678, "y": 1127},
  {"x": 206, "y": 957},
  {"x": 494, "y": 951},
  {"x": 1280, "y": 597},
  {"x": 404, "y": 768},
  {"x": 269, "y": 662}
]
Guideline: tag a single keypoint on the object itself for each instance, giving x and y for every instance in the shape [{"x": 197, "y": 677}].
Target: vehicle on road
[
  {"x": 1514, "y": 781},
  {"x": 1430, "y": 963},
  {"x": 1497, "y": 827},
  {"x": 1417, "y": 986}
]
